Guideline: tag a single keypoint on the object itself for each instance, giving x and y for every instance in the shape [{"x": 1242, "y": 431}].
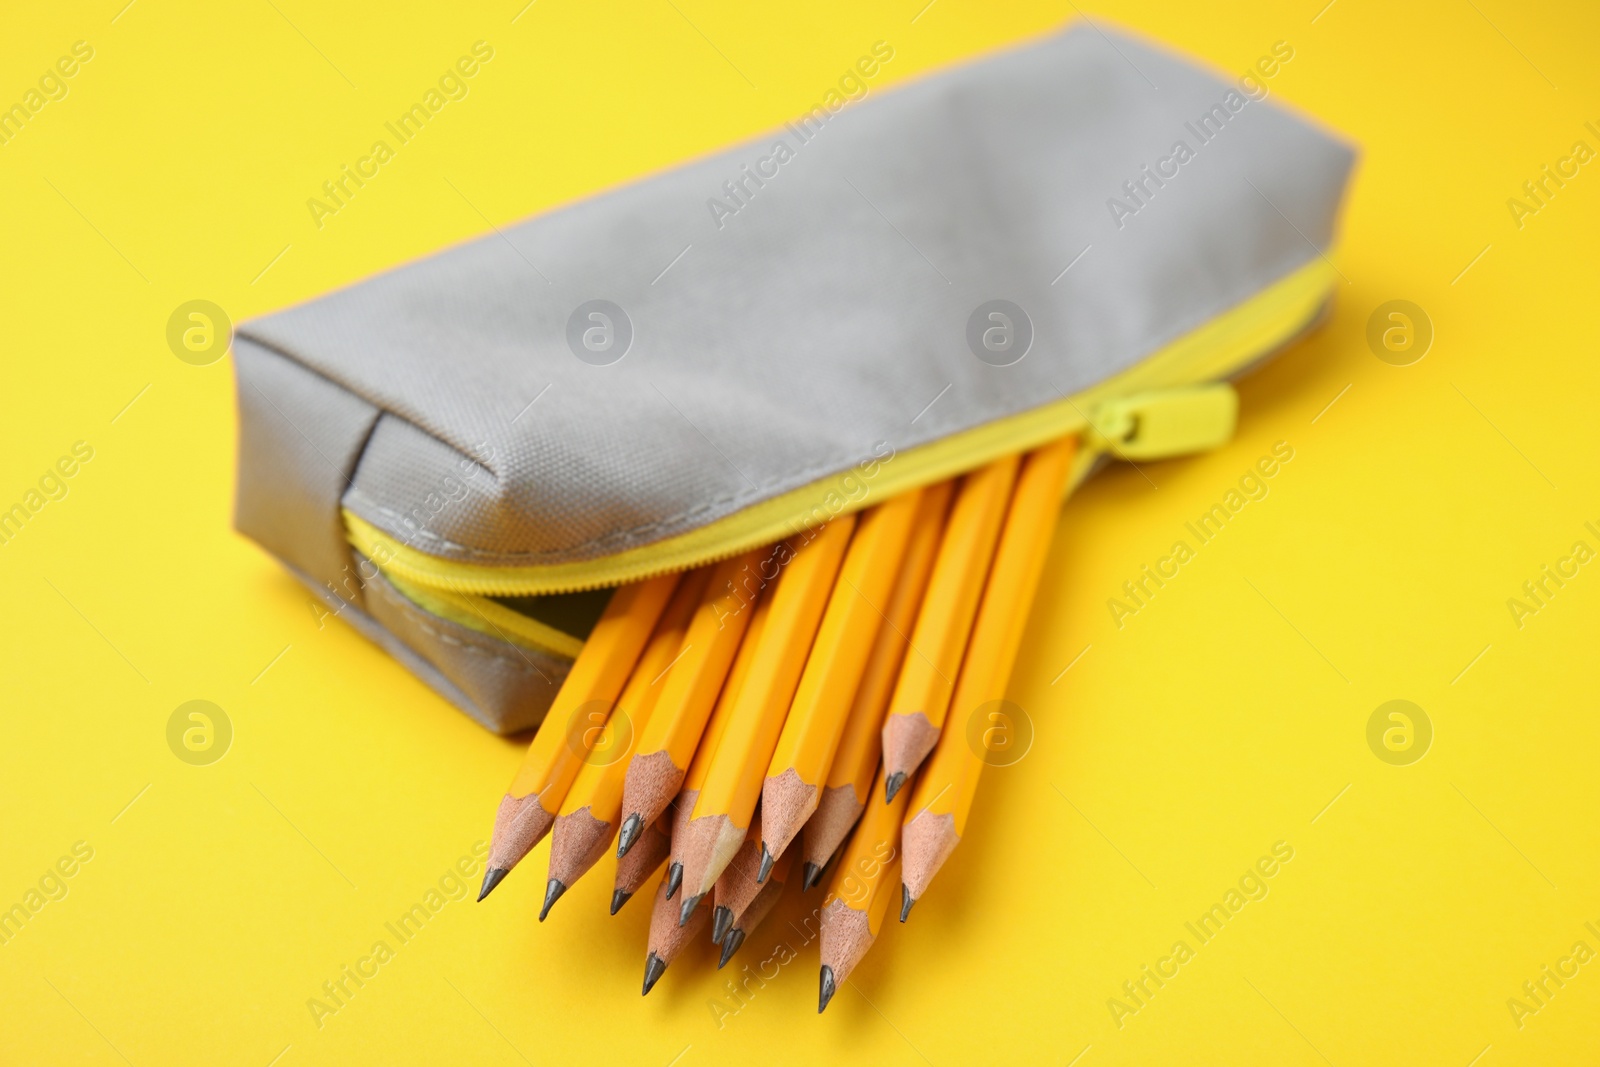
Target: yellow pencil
[
  {"x": 852, "y": 914},
  {"x": 855, "y": 763},
  {"x": 588, "y": 816},
  {"x": 667, "y": 742},
  {"x": 943, "y": 796},
  {"x": 927, "y": 679},
  {"x": 733, "y": 782},
  {"x": 737, "y": 885},
  {"x": 682, "y": 807},
  {"x": 822, "y": 701},
  {"x": 530, "y": 805}
]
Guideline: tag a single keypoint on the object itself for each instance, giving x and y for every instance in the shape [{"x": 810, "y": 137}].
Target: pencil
[
  {"x": 695, "y": 777},
  {"x": 744, "y": 922},
  {"x": 589, "y": 813},
  {"x": 943, "y": 796},
  {"x": 668, "y": 936},
  {"x": 852, "y": 914},
  {"x": 728, "y": 798},
  {"x": 529, "y": 807},
  {"x": 642, "y": 860},
  {"x": 855, "y": 763},
  {"x": 822, "y": 700},
  {"x": 737, "y": 885},
  {"x": 665, "y": 746},
  {"x": 927, "y": 680}
]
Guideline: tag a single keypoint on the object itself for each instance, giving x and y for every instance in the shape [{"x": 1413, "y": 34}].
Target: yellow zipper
[{"x": 1166, "y": 405}]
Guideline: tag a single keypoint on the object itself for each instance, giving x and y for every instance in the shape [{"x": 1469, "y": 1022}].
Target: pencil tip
[
  {"x": 721, "y": 919},
  {"x": 828, "y": 988},
  {"x": 654, "y": 968},
  {"x": 689, "y": 904},
  {"x": 812, "y": 875},
  {"x": 629, "y": 833},
  {"x": 674, "y": 879},
  {"x": 906, "y": 900},
  {"x": 767, "y": 860},
  {"x": 618, "y": 899},
  {"x": 730, "y": 945},
  {"x": 552, "y": 893},
  {"x": 491, "y": 878},
  {"x": 892, "y": 786}
]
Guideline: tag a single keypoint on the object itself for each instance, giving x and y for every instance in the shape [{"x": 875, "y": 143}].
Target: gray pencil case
[{"x": 1083, "y": 234}]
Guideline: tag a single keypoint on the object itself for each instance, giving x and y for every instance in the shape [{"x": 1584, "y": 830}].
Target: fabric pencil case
[{"x": 1080, "y": 235}]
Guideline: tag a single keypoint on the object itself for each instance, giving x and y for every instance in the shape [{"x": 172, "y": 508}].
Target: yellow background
[{"x": 1222, "y": 718}]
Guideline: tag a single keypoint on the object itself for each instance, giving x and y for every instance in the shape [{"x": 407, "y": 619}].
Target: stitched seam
[{"x": 519, "y": 667}]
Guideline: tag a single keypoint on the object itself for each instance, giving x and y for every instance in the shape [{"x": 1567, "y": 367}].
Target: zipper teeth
[
  {"x": 367, "y": 539},
  {"x": 498, "y": 587},
  {"x": 459, "y": 577}
]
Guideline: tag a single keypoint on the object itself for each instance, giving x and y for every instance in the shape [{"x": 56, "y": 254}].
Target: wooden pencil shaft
[
  {"x": 856, "y": 760},
  {"x": 943, "y": 795},
  {"x": 596, "y": 678},
  {"x": 844, "y": 641},
  {"x": 667, "y": 743},
  {"x": 927, "y": 677},
  {"x": 733, "y": 780},
  {"x": 598, "y": 785}
]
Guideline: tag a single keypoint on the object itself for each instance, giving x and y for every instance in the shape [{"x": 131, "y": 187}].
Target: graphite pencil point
[
  {"x": 906, "y": 900},
  {"x": 618, "y": 899},
  {"x": 674, "y": 879},
  {"x": 491, "y": 878},
  {"x": 827, "y": 990},
  {"x": 552, "y": 893},
  {"x": 631, "y": 827},
  {"x": 892, "y": 786},
  {"x": 654, "y": 968},
  {"x": 765, "y": 869},
  {"x": 687, "y": 910},
  {"x": 811, "y": 876},
  {"x": 721, "y": 919},
  {"x": 730, "y": 945}
]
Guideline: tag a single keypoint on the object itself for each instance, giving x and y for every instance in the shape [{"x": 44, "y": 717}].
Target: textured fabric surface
[
  {"x": 299, "y": 438},
  {"x": 497, "y": 694},
  {"x": 781, "y": 341},
  {"x": 506, "y": 687}
]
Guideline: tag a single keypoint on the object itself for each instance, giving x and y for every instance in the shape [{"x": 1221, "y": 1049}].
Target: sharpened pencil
[
  {"x": 927, "y": 678},
  {"x": 859, "y": 896},
  {"x": 589, "y": 814},
  {"x": 668, "y": 936},
  {"x": 844, "y": 642},
  {"x": 646, "y": 856},
  {"x": 683, "y": 806},
  {"x": 668, "y": 742},
  {"x": 855, "y": 763},
  {"x": 745, "y": 922},
  {"x": 584, "y": 701},
  {"x": 738, "y": 884},
  {"x": 943, "y": 796},
  {"x": 728, "y": 798}
]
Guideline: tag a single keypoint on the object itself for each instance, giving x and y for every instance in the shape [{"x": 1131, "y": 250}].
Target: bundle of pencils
[{"x": 741, "y": 718}]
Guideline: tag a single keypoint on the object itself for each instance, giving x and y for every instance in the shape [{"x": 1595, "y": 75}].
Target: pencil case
[{"x": 1081, "y": 235}]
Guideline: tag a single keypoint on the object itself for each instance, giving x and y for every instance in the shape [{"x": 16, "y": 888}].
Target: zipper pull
[{"x": 1166, "y": 422}]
